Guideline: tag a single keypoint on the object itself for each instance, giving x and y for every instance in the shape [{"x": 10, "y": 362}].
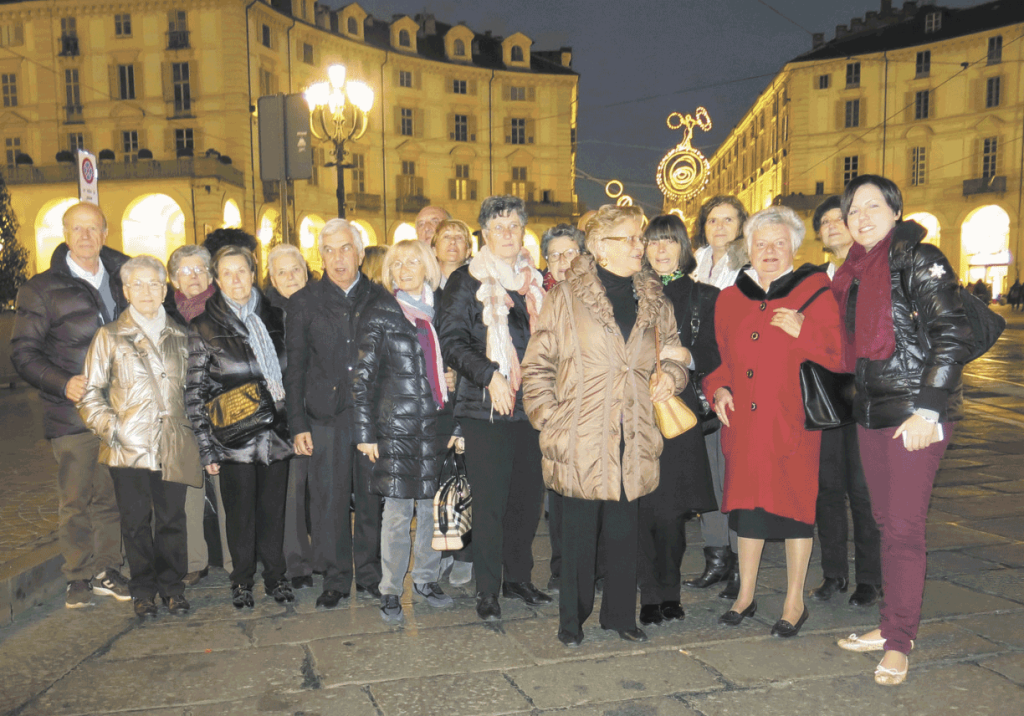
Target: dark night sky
[{"x": 639, "y": 61}]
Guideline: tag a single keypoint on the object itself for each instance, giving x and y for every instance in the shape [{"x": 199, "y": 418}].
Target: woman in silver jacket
[{"x": 129, "y": 360}]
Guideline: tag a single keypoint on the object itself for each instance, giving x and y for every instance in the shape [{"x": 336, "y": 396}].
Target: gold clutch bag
[
  {"x": 672, "y": 415},
  {"x": 240, "y": 413}
]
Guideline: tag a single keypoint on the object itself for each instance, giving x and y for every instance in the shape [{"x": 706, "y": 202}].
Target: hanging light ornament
[
  {"x": 684, "y": 171},
  {"x": 614, "y": 190}
]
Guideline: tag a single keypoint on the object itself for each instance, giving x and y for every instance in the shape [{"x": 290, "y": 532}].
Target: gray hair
[
  {"x": 562, "y": 231},
  {"x": 285, "y": 250},
  {"x": 183, "y": 252},
  {"x": 144, "y": 261},
  {"x": 495, "y": 206},
  {"x": 337, "y": 226},
  {"x": 775, "y": 216}
]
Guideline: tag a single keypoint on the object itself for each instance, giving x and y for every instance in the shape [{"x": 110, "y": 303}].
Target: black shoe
[
  {"x": 570, "y": 640},
  {"x": 370, "y": 591},
  {"x": 177, "y": 605},
  {"x": 554, "y": 584},
  {"x": 735, "y": 618},
  {"x": 281, "y": 592},
  {"x": 786, "y": 630},
  {"x": 865, "y": 595},
  {"x": 145, "y": 607},
  {"x": 487, "y": 607},
  {"x": 241, "y": 596},
  {"x": 718, "y": 562},
  {"x": 192, "y": 578},
  {"x": 672, "y": 611},
  {"x": 303, "y": 582},
  {"x": 525, "y": 591},
  {"x": 732, "y": 588},
  {"x": 330, "y": 598},
  {"x": 650, "y": 614},
  {"x": 599, "y": 585},
  {"x": 636, "y": 634},
  {"x": 829, "y": 587}
]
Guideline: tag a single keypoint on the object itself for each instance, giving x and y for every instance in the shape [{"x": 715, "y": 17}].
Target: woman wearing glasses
[
  {"x": 590, "y": 384},
  {"x": 488, "y": 313}
]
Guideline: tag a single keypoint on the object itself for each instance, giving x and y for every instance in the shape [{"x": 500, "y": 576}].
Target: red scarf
[
  {"x": 874, "y": 337},
  {"x": 189, "y": 308}
]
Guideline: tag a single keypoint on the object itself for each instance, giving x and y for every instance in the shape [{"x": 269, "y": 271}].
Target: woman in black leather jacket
[
  {"x": 237, "y": 340},
  {"x": 909, "y": 393}
]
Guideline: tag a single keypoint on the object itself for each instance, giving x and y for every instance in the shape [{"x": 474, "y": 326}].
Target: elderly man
[
  {"x": 840, "y": 474},
  {"x": 320, "y": 328},
  {"x": 427, "y": 221},
  {"x": 59, "y": 310}
]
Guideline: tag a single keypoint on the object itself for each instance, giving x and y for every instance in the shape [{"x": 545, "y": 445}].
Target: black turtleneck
[{"x": 620, "y": 294}]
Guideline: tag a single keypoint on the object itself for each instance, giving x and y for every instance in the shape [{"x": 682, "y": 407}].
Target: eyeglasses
[
  {"x": 187, "y": 271},
  {"x": 151, "y": 286},
  {"x": 636, "y": 240},
  {"x": 411, "y": 263},
  {"x": 511, "y": 229},
  {"x": 568, "y": 255}
]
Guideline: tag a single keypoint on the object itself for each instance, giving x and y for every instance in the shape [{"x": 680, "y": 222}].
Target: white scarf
[{"x": 151, "y": 327}]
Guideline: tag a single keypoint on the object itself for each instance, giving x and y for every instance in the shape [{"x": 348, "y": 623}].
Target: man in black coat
[
  {"x": 322, "y": 344},
  {"x": 59, "y": 310}
]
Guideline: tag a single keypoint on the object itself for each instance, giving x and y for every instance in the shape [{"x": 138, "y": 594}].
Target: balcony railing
[
  {"x": 411, "y": 204},
  {"x": 143, "y": 169},
  {"x": 363, "y": 202},
  {"x": 69, "y": 46},
  {"x": 73, "y": 114},
  {"x": 985, "y": 185},
  {"x": 177, "y": 40}
]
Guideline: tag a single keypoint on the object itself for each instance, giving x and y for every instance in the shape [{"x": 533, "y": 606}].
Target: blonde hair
[
  {"x": 449, "y": 224},
  {"x": 607, "y": 216},
  {"x": 373, "y": 263},
  {"x": 422, "y": 252}
]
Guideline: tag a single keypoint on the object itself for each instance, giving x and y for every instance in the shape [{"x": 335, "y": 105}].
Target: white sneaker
[{"x": 112, "y": 584}]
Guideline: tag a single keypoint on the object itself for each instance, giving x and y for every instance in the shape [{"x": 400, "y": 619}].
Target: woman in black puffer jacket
[{"x": 403, "y": 420}]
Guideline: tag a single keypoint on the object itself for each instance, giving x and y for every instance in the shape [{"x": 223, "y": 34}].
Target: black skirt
[{"x": 760, "y": 524}]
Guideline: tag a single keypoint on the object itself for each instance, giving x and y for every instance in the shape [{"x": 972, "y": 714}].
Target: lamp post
[{"x": 338, "y": 112}]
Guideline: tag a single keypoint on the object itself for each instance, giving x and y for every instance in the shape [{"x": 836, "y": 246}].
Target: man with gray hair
[
  {"x": 59, "y": 311},
  {"x": 321, "y": 336}
]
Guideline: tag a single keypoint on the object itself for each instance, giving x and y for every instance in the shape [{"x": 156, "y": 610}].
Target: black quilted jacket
[
  {"x": 219, "y": 359},
  {"x": 916, "y": 375}
]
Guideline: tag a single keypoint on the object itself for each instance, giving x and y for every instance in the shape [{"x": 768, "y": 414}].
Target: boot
[
  {"x": 732, "y": 588},
  {"x": 719, "y": 560}
]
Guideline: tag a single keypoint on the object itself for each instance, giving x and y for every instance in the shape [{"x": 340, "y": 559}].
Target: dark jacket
[
  {"x": 464, "y": 345},
  {"x": 58, "y": 314},
  {"x": 219, "y": 359},
  {"x": 394, "y": 406},
  {"x": 916, "y": 376},
  {"x": 323, "y": 346}
]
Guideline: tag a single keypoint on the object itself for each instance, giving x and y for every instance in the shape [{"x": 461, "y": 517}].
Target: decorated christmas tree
[{"x": 13, "y": 256}]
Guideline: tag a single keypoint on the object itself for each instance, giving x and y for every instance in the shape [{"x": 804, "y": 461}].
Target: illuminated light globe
[
  {"x": 684, "y": 171},
  {"x": 614, "y": 190}
]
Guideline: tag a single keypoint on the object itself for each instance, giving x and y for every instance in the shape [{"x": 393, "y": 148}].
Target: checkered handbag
[{"x": 453, "y": 505}]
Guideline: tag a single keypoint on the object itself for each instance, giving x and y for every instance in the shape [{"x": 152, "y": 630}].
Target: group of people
[{"x": 366, "y": 383}]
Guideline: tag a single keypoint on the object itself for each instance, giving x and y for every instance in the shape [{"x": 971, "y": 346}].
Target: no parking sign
[{"x": 88, "y": 178}]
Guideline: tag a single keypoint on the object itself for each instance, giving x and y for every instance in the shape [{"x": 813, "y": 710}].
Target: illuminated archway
[
  {"x": 232, "y": 216},
  {"x": 404, "y": 231},
  {"x": 366, "y": 231},
  {"x": 50, "y": 230},
  {"x": 931, "y": 224},
  {"x": 985, "y": 247},
  {"x": 153, "y": 224},
  {"x": 269, "y": 233},
  {"x": 532, "y": 244},
  {"x": 309, "y": 231}
]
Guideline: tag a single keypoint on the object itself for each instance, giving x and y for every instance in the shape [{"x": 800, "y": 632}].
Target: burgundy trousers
[{"x": 900, "y": 484}]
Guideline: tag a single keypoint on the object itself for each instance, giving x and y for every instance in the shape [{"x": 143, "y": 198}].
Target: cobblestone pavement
[{"x": 297, "y": 660}]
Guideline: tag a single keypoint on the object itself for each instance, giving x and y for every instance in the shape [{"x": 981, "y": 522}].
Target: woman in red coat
[{"x": 771, "y": 461}]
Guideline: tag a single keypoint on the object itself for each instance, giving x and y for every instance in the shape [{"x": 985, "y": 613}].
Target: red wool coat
[{"x": 771, "y": 462}]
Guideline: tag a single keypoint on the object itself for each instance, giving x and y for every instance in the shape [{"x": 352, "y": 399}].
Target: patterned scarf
[
  {"x": 420, "y": 312},
  {"x": 549, "y": 280},
  {"x": 670, "y": 277},
  {"x": 496, "y": 279},
  {"x": 189, "y": 308},
  {"x": 259, "y": 340},
  {"x": 874, "y": 337}
]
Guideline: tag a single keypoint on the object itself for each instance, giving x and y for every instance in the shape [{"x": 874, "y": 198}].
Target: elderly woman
[
  {"x": 590, "y": 384},
  {"x": 239, "y": 340},
  {"x": 403, "y": 420},
  {"x": 685, "y": 488},
  {"x": 128, "y": 407},
  {"x": 719, "y": 253},
  {"x": 771, "y": 461},
  {"x": 488, "y": 313},
  {"x": 559, "y": 246},
  {"x": 287, "y": 273},
  {"x": 909, "y": 393},
  {"x": 452, "y": 242}
]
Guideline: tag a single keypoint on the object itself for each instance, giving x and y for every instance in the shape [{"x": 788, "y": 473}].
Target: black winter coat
[
  {"x": 58, "y": 315},
  {"x": 916, "y": 376},
  {"x": 464, "y": 346},
  {"x": 219, "y": 359},
  {"x": 394, "y": 406},
  {"x": 323, "y": 347}
]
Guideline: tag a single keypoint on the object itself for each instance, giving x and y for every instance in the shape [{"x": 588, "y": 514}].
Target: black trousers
[
  {"x": 153, "y": 531},
  {"x": 555, "y": 531},
  {"x": 582, "y": 523},
  {"x": 661, "y": 543},
  {"x": 339, "y": 475},
  {"x": 503, "y": 467},
  {"x": 840, "y": 475},
  {"x": 254, "y": 500}
]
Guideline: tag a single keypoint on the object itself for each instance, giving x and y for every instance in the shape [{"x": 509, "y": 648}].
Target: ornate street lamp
[{"x": 338, "y": 112}]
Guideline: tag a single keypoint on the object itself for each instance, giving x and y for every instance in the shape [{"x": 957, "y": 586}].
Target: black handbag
[
  {"x": 240, "y": 413},
  {"x": 709, "y": 421},
  {"x": 827, "y": 396}
]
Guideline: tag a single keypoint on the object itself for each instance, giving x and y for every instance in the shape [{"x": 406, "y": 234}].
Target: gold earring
[{"x": 603, "y": 262}]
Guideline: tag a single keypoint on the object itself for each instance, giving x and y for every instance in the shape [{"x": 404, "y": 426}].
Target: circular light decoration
[
  {"x": 614, "y": 190},
  {"x": 684, "y": 171}
]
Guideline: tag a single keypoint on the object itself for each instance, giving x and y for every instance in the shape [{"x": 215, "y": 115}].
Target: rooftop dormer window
[{"x": 933, "y": 22}]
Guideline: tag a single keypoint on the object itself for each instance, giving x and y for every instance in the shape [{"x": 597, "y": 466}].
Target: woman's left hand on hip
[
  {"x": 917, "y": 433},
  {"x": 788, "y": 320}
]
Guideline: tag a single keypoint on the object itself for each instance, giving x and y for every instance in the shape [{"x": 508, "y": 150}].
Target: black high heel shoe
[
  {"x": 735, "y": 618},
  {"x": 786, "y": 630}
]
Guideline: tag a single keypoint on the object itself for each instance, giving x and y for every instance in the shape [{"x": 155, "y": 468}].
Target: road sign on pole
[
  {"x": 285, "y": 151},
  {"x": 88, "y": 178}
]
